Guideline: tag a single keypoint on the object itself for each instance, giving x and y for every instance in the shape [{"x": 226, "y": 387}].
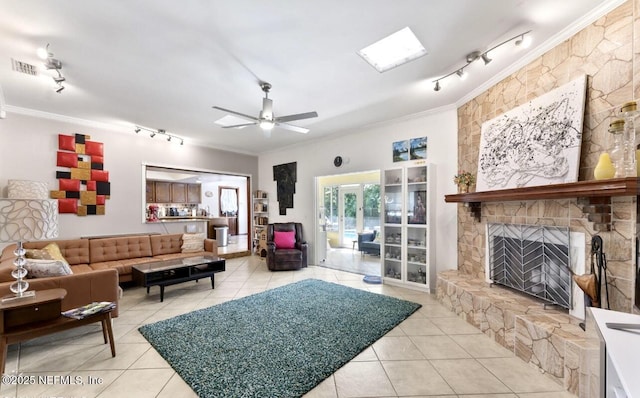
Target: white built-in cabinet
[{"x": 407, "y": 250}]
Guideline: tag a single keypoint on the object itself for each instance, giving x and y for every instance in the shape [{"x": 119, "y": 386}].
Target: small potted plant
[{"x": 464, "y": 180}]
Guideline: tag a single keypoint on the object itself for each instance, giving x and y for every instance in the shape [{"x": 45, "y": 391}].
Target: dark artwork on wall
[
  {"x": 285, "y": 177},
  {"x": 83, "y": 184}
]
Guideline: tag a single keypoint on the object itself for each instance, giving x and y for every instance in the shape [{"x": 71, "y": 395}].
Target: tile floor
[
  {"x": 351, "y": 260},
  {"x": 431, "y": 354}
]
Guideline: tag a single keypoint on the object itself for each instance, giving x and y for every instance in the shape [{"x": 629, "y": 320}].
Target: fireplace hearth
[{"x": 532, "y": 259}]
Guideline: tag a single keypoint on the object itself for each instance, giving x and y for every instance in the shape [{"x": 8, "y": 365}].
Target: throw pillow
[
  {"x": 284, "y": 239},
  {"x": 192, "y": 243},
  {"x": 47, "y": 268},
  {"x": 49, "y": 252}
]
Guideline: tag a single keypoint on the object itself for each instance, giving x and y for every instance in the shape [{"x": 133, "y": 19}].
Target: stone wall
[{"x": 606, "y": 53}]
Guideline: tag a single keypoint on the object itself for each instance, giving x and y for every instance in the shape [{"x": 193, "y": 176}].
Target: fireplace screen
[{"x": 532, "y": 259}]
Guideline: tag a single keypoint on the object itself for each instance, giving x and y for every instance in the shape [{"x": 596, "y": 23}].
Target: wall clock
[{"x": 337, "y": 161}]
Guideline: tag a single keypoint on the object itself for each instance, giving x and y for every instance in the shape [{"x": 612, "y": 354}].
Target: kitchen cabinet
[
  {"x": 407, "y": 249},
  {"x": 194, "y": 193},
  {"x": 172, "y": 192},
  {"x": 151, "y": 192},
  {"x": 178, "y": 192},
  {"x": 162, "y": 191}
]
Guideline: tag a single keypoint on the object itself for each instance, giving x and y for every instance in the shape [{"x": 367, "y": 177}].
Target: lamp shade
[
  {"x": 28, "y": 219},
  {"x": 23, "y": 189}
]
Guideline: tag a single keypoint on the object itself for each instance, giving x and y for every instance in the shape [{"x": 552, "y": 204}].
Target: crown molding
[{"x": 543, "y": 48}]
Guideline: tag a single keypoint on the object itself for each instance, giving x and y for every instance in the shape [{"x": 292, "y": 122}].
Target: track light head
[
  {"x": 137, "y": 130},
  {"x": 486, "y": 58},
  {"x": 524, "y": 41},
  {"x": 181, "y": 142},
  {"x": 471, "y": 57},
  {"x": 43, "y": 52},
  {"x": 59, "y": 89},
  {"x": 437, "y": 86},
  {"x": 153, "y": 134},
  {"x": 169, "y": 138},
  {"x": 59, "y": 79},
  {"x": 52, "y": 63},
  {"x": 462, "y": 74}
]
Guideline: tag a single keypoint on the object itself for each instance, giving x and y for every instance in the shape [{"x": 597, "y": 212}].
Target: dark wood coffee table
[{"x": 170, "y": 272}]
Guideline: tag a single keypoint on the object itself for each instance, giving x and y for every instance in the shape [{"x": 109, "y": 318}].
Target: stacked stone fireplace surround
[{"x": 608, "y": 51}]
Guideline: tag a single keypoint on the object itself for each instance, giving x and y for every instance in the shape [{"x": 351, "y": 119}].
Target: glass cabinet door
[
  {"x": 393, "y": 252},
  {"x": 393, "y": 196},
  {"x": 417, "y": 195},
  {"x": 417, "y": 254}
]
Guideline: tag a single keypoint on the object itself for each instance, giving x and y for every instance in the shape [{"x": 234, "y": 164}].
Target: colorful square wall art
[
  {"x": 83, "y": 184},
  {"x": 400, "y": 151},
  {"x": 418, "y": 148},
  {"x": 535, "y": 144}
]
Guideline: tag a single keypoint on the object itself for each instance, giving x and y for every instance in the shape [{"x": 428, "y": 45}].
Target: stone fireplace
[{"x": 537, "y": 260}]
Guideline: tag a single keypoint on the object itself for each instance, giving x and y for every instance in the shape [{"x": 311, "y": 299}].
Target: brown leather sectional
[{"x": 99, "y": 264}]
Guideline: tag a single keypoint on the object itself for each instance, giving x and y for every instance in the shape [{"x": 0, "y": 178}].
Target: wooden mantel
[{"x": 596, "y": 193}]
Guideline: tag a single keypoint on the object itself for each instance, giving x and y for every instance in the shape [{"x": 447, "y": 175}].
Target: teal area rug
[{"x": 279, "y": 343}]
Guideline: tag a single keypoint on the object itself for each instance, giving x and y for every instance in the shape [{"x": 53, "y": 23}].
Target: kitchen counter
[{"x": 179, "y": 219}]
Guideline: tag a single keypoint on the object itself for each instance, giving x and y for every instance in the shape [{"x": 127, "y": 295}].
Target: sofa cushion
[
  {"x": 113, "y": 249},
  {"x": 166, "y": 244},
  {"x": 46, "y": 268}
]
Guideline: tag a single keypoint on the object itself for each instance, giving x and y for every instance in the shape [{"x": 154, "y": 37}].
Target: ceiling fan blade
[
  {"x": 239, "y": 125},
  {"x": 236, "y": 113},
  {"x": 293, "y": 128},
  {"x": 298, "y": 116}
]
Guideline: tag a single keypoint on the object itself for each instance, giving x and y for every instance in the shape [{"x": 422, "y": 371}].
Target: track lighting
[
  {"x": 162, "y": 132},
  {"x": 51, "y": 63},
  {"x": 522, "y": 39}
]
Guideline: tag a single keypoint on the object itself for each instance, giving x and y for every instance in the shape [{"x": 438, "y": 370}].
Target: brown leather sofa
[{"x": 99, "y": 264}]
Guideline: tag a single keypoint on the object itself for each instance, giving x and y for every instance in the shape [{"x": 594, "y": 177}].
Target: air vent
[{"x": 24, "y": 67}]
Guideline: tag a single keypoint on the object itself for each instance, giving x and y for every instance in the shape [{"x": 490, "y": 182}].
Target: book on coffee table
[{"x": 89, "y": 309}]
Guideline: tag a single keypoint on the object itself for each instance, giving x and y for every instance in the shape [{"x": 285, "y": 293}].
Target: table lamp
[{"x": 26, "y": 215}]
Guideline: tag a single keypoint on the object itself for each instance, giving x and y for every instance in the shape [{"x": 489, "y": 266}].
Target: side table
[{"x": 31, "y": 317}]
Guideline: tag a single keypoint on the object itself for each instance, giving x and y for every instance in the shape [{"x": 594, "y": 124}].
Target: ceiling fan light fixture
[{"x": 267, "y": 125}]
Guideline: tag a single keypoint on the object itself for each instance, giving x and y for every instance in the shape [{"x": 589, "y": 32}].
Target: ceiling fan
[{"x": 266, "y": 119}]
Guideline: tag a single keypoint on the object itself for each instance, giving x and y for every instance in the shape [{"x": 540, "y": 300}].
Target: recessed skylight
[
  {"x": 394, "y": 50},
  {"x": 230, "y": 120}
]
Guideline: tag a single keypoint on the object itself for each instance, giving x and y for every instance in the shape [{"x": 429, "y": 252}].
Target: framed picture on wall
[
  {"x": 400, "y": 151},
  {"x": 418, "y": 148}
]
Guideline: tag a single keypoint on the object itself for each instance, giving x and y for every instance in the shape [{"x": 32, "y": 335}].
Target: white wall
[
  {"x": 28, "y": 151},
  {"x": 370, "y": 149}
]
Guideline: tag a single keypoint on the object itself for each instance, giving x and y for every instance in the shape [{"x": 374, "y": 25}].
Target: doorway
[
  {"x": 347, "y": 205},
  {"x": 350, "y": 210}
]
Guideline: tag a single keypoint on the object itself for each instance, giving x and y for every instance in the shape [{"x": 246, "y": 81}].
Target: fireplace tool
[{"x": 590, "y": 283}]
